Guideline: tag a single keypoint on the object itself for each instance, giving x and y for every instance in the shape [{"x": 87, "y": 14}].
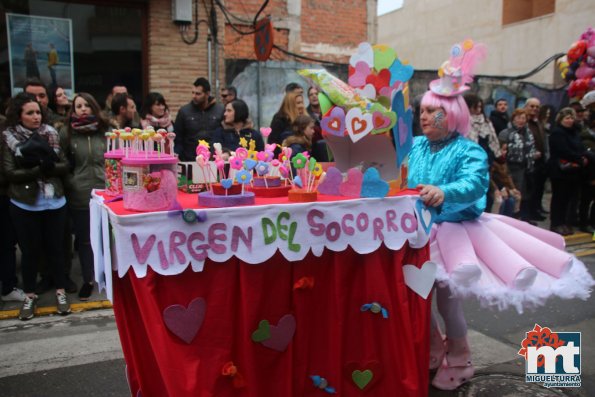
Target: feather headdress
[{"x": 459, "y": 69}]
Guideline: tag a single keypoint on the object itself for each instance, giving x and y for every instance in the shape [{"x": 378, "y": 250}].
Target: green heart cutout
[
  {"x": 384, "y": 56},
  {"x": 263, "y": 332},
  {"x": 362, "y": 378},
  {"x": 386, "y": 113}
]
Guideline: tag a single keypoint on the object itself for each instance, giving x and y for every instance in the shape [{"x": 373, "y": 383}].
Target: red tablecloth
[{"x": 332, "y": 339}]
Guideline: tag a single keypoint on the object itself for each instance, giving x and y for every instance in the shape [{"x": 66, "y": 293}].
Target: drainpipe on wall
[
  {"x": 216, "y": 69},
  {"x": 209, "y": 63}
]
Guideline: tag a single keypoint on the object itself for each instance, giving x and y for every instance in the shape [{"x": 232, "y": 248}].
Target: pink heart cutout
[
  {"x": 332, "y": 181},
  {"x": 352, "y": 187},
  {"x": 185, "y": 322},
  {"x": 380, "y": 120},
  {"x": 281, "y": 334},
  {"x": 361, "y": 72}
]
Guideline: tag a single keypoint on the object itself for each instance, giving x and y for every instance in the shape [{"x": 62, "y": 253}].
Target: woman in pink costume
[{"x": 501, "y": 261}]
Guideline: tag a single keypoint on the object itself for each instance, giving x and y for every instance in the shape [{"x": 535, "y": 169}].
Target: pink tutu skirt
[{"x": 506, "y": 263}]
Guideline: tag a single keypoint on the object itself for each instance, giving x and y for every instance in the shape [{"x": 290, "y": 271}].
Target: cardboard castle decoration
[{"x": 368, "y": 122}]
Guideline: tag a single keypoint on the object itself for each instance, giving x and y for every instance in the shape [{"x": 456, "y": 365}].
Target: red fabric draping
[{"x": 332, "y": 337}]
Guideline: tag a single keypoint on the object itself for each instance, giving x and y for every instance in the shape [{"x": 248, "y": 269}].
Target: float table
[{"x": 265, "y": 300}]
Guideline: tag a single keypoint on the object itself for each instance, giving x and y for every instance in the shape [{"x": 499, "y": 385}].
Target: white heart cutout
[
  {"x": 365, "y": 53},
  {"x": 358, "y": 124},
  {"x": 369, "y": 91},
  {"x": 421, "y": 280},
  {"x": 426, "y": 215}
]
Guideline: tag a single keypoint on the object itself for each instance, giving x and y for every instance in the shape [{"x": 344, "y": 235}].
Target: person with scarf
[
  {"x": 155, "y": 113},
  {"x": 520, "y": 158},
  {"x": 34, "y": 166},
  {"x": 482, "y": 132},
  {"x": 84, "y": 143},
  {"x": 235, "y": 126}
]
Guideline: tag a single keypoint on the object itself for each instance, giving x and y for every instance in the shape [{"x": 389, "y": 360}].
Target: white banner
[{"x": 168, "y": 244}]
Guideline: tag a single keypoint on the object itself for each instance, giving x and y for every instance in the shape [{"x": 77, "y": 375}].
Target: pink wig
[{"x": 457, "y": 112}]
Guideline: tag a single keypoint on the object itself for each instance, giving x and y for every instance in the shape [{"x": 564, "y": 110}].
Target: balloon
[
  {"x": 325, "y": 103},
  {"x": 577, "y": 49},
  {"x": 584, "y": 71}
]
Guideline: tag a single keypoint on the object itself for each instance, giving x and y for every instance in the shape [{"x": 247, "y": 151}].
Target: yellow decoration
[
  {"x": 467, "y": 44},
  {"x": 317, "y": 171},
  {"x": 204, "y": 143},
  {"x": 252, "y": 145},
  {"x": 243, "y": 142},
  {"x": 136, "y": 131},
  {"x": 252, "y": 155}
]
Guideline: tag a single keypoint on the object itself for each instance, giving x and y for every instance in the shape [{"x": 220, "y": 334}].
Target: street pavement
[{"x": 80, "y": 354}]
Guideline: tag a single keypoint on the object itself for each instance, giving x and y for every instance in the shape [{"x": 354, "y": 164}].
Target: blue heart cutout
[
  {"x": 373, "y": 185},
  {"x": 298, "y": 181},
  {"x": 226, "y": 183},
  {"x": 249, "y": 164},
  {"x": 421, "y": 210}
]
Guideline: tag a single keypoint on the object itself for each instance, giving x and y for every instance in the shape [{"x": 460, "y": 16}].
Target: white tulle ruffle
[{"x": 505, "y": 263}]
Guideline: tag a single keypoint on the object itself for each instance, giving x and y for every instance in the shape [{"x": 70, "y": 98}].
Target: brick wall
[
  {"x": 325, "y": 29},
  {"x": 174, "y": 65}
]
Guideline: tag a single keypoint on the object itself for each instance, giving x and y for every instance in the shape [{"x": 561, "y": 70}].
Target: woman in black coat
[{"x": 567, "y": 160}]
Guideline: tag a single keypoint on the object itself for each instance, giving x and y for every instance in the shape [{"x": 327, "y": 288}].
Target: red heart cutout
[
  {"x": 358, "y": 125},
  {"x": 380, "y": 80},
  {"x": 373, "y": 366},
  {"x": 334, "y": 124}
]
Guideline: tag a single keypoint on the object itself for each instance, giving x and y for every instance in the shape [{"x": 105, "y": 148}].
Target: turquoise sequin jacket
[{"x": 456, "y": 165}]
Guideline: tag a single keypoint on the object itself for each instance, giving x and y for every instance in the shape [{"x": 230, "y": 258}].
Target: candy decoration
[
  {"x": 229, "y": 369},
  {"x": 322, "y": 384},
  {"x": 304, "y": 283},
  {"x": 375, "y": 308}
]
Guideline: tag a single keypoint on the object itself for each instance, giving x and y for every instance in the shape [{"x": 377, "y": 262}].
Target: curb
[{"x": 48, "y": 310}]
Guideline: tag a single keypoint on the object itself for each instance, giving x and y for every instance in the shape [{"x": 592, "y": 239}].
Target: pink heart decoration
[
  {"x": 265, "y": 131},
  {"x": 270, "y": 147},
  {"x": 360, "y": 74},
  {"x": 334, "y": 123},
  {"x": 281, "y": 334},
  {"x": 352, "y": 187},
  {"x": 261, "y": 156},
  {"x": 185, "y": 322},
  {"x": 403, "y": 132},
  {"x": 380, "y": 121},
  {"x": 332, "y": 181}
]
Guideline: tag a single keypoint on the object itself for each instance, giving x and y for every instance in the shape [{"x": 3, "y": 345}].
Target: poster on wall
[{"x": 40, "y": 47}]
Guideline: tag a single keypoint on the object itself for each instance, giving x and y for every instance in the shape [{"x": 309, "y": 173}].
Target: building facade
[
  {"x": 520, "y": 34},
  {"x": 137, "y": 43}
]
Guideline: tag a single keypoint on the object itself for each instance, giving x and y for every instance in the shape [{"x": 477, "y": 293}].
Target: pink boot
[
  {"x": 437, "y": 348},
  {"x": 456, "y": 368}
]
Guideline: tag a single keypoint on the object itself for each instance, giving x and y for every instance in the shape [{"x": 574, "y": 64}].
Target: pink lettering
[
  {"x": 408, "y": 223},
  {"x": 237, "y": 234},
  {"x": 333, "y": 231},
  {"x": 317, "y": 229},
  {"x": 214, "y": 237},
  {"x": 142, "y": 253},
  {"x": 203, "y": 248},
  {"x": 377, "y": 225},
  {"x": 348, "y": 230},
  {"x": 391, "y": 215},
  {"x": 176, "y": 239}
]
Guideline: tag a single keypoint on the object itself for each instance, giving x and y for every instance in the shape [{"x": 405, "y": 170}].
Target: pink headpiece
[{"x": 458, "y": 70}]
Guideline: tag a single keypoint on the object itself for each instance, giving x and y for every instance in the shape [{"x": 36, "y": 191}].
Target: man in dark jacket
[
  {"x": 499, "y": 116},
  {"x": 196, "y": 120}
]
